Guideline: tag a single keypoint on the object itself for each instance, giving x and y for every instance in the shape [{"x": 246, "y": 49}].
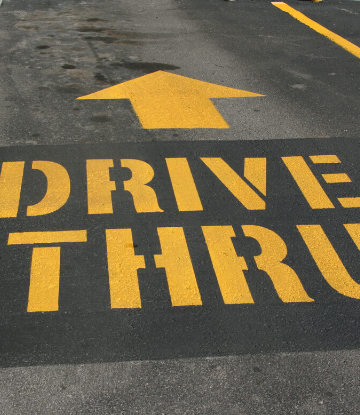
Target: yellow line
[
  {"x": 350, "y": 47},
  {"x": 25, "y": 238}
]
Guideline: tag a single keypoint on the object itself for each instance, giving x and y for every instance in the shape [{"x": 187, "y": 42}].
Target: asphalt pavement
[{"x": 184, "y": 238}]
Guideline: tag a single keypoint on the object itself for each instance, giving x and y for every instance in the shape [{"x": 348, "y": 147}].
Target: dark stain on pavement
[
  {"x": 100, "y": 118},
  {"x": 95, "y": 19},
  {"x": 105, "y": 39},
  {"x": 91, "y": 29},
  {"x": 102, "y": 78},
  {"x": 67, "y": 66},
  {"x": 70, "y": 89},
  {"x": 146, "y": 67}
]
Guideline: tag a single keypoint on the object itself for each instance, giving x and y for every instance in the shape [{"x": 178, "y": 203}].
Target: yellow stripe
[
  {"x": 324, "y": 159},
  {"x": 123, "y": 265},
  {"x": 349, "y": 202},
  {"x": 336, "y": 178},
  {"x": 44, "y": 280},
  {"x": 350, "y": 47},
  {"x": 186, "y": 194},
  {"x": 25, "y": 238},
  {"x": 10, "y": 188}
]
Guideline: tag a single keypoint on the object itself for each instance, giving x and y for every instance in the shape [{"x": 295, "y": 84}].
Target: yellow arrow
[{"x": 166, "y": 100}]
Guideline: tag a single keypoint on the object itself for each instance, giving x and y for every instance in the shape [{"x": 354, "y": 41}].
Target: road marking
[
  {"x": 175, "y": 258},
  {"x": 328, "y": 261},
  {"x": 349, "y": 202},
  {"x": 123, "y": 265},
  {"x": 44, "y": 279},
  {"x": 325, "y": 159},
  {"x": 10, "y": 188},
  {"x": 185, "y": 191},
  {"x": 145, "y": 199},
  {"x": 208, "y": 274},
  {"x": 229, "y": 267},
  {"x": 58, "y": 188},
  {"x": 308, "y": 183},
  {"x": 166, "y": 100},
  {"x": 336, "y": 178},
  {"x": 273, "y": 252},
  {"x": 237, "y": 186},
  {"x": 99, "y": 186},
  {"x": 26, "y": 238},
  {"x": 196, "y": 185},
  {"x": 310, "y": 186},
  {"x": 45, "y": 266},
  {"x": 350, "y": 47}
]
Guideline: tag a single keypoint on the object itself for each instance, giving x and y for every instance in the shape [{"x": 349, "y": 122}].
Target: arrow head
[
  {"x": 166, "y": 100},
  {"x": 165, "y": 83}
]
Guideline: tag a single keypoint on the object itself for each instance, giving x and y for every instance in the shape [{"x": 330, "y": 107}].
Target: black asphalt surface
[
  {"x": 85, "y": 329},
  {"x": 262, "y": 358}
]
